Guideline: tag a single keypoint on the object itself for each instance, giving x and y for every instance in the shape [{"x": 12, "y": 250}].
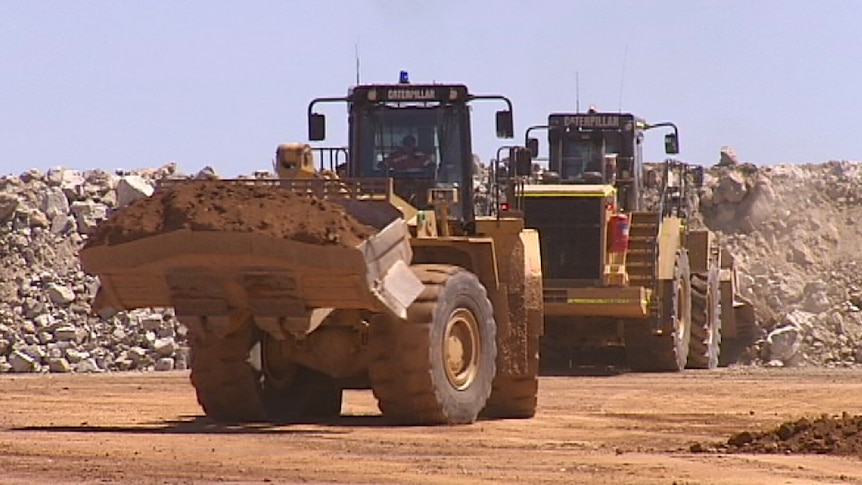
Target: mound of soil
[
  {"x": 233, "y": 207},
  {"x": 833, "y": 435}
]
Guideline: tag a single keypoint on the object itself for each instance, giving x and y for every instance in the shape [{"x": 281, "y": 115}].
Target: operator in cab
[{"x": 407, "y": 156}]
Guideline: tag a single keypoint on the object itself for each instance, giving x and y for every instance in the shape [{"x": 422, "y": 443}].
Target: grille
[{"x": 570, "y": 234}]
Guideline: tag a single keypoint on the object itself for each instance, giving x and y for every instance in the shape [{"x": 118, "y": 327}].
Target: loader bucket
[
  {"x": 738, "y": 319},
  {"x": 213, "y": 272}
]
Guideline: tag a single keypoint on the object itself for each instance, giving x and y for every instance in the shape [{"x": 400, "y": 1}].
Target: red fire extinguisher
[{"x": 619, "y": 233}]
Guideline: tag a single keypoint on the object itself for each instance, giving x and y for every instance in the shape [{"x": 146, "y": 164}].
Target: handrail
[{"x": 331, "y": 158}]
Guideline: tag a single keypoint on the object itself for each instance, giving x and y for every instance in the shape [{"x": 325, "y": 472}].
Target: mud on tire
[
  {"x": 437, "y": 367},
  {"x": 516, "y": 396},
  {"x": 668, "y": 351}
]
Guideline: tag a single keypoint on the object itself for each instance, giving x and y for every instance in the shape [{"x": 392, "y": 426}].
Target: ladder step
[
  {"x": 640, "y": 277},
  {"x": 642, "y": 245},
  {"x": 645, "y": 276},
  {"x": 640, "y": 264},
  {"x": 638, "y": 273}
]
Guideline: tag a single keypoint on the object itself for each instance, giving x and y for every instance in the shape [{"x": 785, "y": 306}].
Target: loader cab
[
  {"x": 599, "y": 148},
  {"x": 417, "y": 135}
]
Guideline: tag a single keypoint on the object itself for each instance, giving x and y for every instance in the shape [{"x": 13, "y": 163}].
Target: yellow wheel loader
[
  {"x": 436, "y": 310},
  {"x": 615, "y": 273}
]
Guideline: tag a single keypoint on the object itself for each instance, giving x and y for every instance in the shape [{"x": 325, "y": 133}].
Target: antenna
[
  {"x": 356, "y": 54},
  {"x": 623, "y": 76},
  {"x": 577, "y": 92}
]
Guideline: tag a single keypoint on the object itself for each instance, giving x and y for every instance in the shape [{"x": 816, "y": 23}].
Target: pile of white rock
[
  {"x": 795, "y": 232},
  {"x": 46, "y": 322}
]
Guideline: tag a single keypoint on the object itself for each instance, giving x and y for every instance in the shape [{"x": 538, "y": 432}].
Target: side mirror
[
  {"x": 533, "y": 147},
  {"x": 523, "y": 162},
  {"x": 505, "y": 127},
  {"x": 671, "y": 144},
  {"x": 316, "y": 127}
]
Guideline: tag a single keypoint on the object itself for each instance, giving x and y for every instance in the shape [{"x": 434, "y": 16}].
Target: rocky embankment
[
  {"x": 795, "y": 232},
  {"x": 46, "y": 322},
  {"x": 793, "y": 229}
]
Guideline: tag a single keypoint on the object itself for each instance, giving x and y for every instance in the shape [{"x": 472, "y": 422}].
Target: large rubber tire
[
  {"x": 705, "y": 345},
  {"x": 292, "y": 393},
  {"x": 227, "y": 386},
  {"x": 232, "y": 390},
  {"x": 311, "y": 396},
  {"x": 437, "y": 366},
  {"x": 667, "y": 352},
  {"x": 516, "y": 396}
]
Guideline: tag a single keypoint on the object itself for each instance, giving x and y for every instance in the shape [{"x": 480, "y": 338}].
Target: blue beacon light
[{"x": 404, "y": 78}]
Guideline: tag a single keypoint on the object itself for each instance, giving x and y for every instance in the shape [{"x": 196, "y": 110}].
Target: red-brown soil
[
  {"x": 834, "y": 435},
  {"x": 232, "y": 207},
  {"x": 146, "y": 428}
]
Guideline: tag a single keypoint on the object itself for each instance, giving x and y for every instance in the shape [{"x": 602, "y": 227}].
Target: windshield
[
  {"x": 579, "y": 157},
  {"x": 412, "y": 143},
  {"x": 584, "y": 156}
]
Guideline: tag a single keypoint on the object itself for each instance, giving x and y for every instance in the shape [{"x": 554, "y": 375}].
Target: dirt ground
[{"x": 599, "y": 429}]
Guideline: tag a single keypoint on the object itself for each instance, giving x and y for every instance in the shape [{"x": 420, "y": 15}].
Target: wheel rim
[{"x": 461, "y": 348}]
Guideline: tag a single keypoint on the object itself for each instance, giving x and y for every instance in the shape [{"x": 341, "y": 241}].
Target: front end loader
[{"x": 435, "y": 309}]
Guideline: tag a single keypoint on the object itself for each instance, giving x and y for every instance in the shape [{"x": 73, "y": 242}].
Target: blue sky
[{"x": 132, "y": 84}]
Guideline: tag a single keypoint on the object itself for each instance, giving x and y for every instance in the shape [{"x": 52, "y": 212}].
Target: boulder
[
  {"x": 60, "y": 294},
  {"x": 8, "y": 206},
  {"x": 727, "y": 157},
  {"x": 783, "y": 344},
  {"x": 21, "y": 362},
  {"x": 131, "y": 188},
  {"x": 731, "y": 187},
  {"x": 54, "y": 203}
]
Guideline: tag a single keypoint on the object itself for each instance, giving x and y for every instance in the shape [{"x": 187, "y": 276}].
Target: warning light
[
  {"x": 504, "y": 206},
  {"x": 403, "y": 78}
]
